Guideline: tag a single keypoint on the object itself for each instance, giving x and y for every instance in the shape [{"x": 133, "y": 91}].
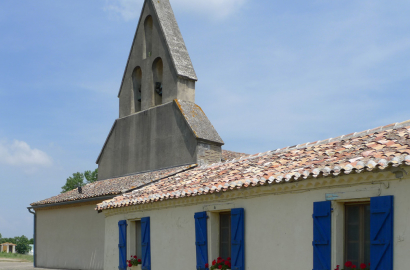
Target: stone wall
[
  {"x": 150, "y": 140},
  {"x": 173, "y": 85},
  {"x": 208, "y": 153}
]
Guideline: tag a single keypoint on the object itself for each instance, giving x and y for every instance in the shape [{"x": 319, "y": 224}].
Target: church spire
[
  {"x": 159, "y": 125},
  {"x": 174, "y": 40},
  {"x": 159, "y": 68}
]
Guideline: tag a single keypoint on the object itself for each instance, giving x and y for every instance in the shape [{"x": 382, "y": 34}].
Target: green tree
[
  {"x": 91, "y": 176},
  {"x": 22, "y": 244},
  {"x": 73, "y": 182},
  {"x": 31, "y": 241},
  {"x": 77, "y": 180},
  {"x": 8, "y": 240}
]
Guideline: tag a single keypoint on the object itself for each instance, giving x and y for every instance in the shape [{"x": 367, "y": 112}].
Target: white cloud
[
  {"x": 20, "y": 154},
  {"x": 216, "y": 9},
  {"x": 127, "y": 9}
]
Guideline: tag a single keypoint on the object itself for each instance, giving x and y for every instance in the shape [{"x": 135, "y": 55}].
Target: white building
[
  {"x": 31, "y": 252},
  {"x": 8, "y": 248},
  {"x": 313, "y": 206},
  {"x": 169, "y": 194}
]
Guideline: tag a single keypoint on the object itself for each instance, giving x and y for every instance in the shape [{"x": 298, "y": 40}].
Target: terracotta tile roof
[
  {"x": 358, "y": 152},
  {"x": 113, "y": 186},
  {"x": 229, "y": 155},
  {"x": 118, "y": 185}
]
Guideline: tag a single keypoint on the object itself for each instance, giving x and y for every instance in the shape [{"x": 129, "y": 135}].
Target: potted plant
[
  {"x": 350, "y": 265},
  {"x": 220, "y": 263},
  {"x": 134, "y": 263}
]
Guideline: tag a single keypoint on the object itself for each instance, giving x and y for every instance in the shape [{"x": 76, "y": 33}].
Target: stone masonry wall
[{"x": 208, "y": 153}]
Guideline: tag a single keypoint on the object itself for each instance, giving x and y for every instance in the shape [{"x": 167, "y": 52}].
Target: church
[{"x": 168, "y": 194}]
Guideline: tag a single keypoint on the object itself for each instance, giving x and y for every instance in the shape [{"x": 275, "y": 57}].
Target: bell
[{"x": 158, "y": 88}]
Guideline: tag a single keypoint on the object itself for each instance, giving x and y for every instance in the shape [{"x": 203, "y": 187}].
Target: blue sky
[{"x": 271, "y": 74}]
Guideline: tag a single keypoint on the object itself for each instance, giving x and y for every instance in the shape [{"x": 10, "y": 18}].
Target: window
[
  {"x": 136, "y": 84},
  {"x": 138, "y": 245},
  {"x": 135, "y": 245},
  {"x": 157, "y": 70},
  {"x": 357, "y": 233},
  {"x": 225, "y": 235},
  {"x": 225, "y": 231}
]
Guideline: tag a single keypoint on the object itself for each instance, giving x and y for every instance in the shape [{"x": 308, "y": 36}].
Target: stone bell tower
[{"x": 159, "y": 124}]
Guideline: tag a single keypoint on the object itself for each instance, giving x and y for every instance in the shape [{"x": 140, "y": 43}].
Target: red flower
[
  {"x": 135, "y": 257},
  {"x": 206, "y": 265},
  {"x": 337, "y": 267},
  {"x": 213, "y": 262},
  {"x": 220, "y": 266},
  {"x": 129, "y": 265},
  {"x": 348, "y": 264},
  {"x": 362, "y": 266},
  {"x": 354, "y": 266},
  {"x": 219, "y": 258},
  {"x": 229, "y": 258},
  {"x": 228, "y": 263},
  {"x": 139, "y": 260}
]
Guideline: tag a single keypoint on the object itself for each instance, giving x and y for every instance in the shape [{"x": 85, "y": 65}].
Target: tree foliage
[
  {"x": 77, "y": 180},
  {"x": 8, "y": 240},
  {"x": 23, "y": 245},
  {"x": 73, "y": 182},
  {"x": 91, "y": 176}
]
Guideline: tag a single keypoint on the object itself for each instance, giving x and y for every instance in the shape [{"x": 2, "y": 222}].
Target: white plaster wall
[
  {"x": 278, "y": 229},
  {"x": 70, "y": 238}
]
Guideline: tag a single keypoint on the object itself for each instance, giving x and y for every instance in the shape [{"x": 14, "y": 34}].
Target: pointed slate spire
[
  {"x": 159, "y": 68},
  {"x": 173, "y": 37}
]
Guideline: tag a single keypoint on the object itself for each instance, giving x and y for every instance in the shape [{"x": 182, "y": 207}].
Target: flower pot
[{"x": 138, "y": 267}]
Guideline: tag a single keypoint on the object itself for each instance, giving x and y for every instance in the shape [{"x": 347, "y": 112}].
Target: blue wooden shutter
[
  {"x": 122, "y": 245},
  {"x": 322, "y": 228},
  {"x": 381, "y": 233},
  {"x": 201, "y": 240},
  {"x": 237, "y": 239},
  {"x": 146, "y": 243}
]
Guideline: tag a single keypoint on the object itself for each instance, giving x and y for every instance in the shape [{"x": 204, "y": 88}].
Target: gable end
[{"x": 173, "y": 39}]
